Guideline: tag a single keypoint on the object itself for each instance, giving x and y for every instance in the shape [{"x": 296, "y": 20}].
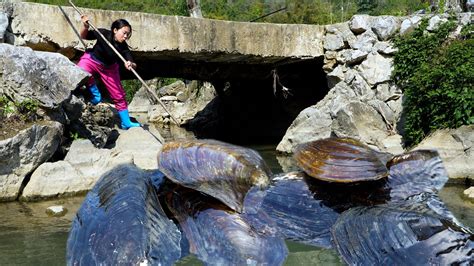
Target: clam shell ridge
[
  {"x": 221, "y": 170},
  {"x": 122, "y": 222},
  {"x": 340, "y": 160}
]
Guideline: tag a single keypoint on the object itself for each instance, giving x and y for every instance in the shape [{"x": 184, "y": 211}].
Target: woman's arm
[
  {"x": 85, "y": 26},
  {"x": 129, "y": 62}
]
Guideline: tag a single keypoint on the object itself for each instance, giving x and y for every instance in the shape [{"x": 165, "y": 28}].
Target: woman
[{"x": 103, "y": 62}]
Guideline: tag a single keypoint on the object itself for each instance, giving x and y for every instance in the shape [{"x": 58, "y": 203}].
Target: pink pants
[{"x": 109, "y": 75}]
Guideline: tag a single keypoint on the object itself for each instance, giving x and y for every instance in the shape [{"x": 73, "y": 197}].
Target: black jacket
[{"x": 102, "y": 51}]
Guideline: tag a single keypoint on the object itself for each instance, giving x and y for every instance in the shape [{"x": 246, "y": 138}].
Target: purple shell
[
  {"x": 219, "y": 169},
  {"x": 220, "y": 236}
]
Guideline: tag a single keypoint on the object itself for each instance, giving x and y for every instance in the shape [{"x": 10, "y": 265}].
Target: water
[{"x": 28, "y": 236}]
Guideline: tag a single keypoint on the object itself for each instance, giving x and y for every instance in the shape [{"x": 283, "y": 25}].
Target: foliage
[
  {"x": 74, "y": 135},
  {"x": 27, "y": 106},
  {"x": 238, "y": 10},
  {"x": 396, "y": 8},
  {"x": 165, "y": 7},
  {"x": 366, "y": 6},
  {"x": 297, "y": 11},
  {"x": 166, "y": 81},
  {"x": 131, "y": 87},
  {"x": 25, "y": 110},
  {"x": 467, "y": 32},
  {"x": 315, "y": 12},
  {"x": 417, "y": 48},
  {"x": 437, "y": 77},
  {"x": 7, "y": 107}
]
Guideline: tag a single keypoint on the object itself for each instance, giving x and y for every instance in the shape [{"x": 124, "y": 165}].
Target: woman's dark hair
[{"x": 120, "y": 23}]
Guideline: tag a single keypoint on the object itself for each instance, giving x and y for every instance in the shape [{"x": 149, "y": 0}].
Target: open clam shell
[
  {"x": 415, "y": 172},
  {"x": 122, "y": 222},
  {"x": 340, "y": 160},
  {"x": 221, "y": 170},
  {"x": 220, "y": 236},
  {"x": 412, "y": 232},
  {"x": 296, "y": 210}
]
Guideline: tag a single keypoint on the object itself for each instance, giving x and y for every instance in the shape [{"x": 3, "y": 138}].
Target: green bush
[
  {"x": 27, "y": 106},
  {"x": 6, "y": 107},
  {"x": 164, "y": 7},
  {"x": 298, "y": 11},
  {"x": 166, "y": 81},
  {"x": 437, "y": 77},
  {"x": 25, "y": 110},
  {"x": 396, "y": 8},
  {"x": 131, "y": 86}
]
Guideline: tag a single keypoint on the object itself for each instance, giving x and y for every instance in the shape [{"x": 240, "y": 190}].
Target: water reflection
[{"x": 463, "y": 209}]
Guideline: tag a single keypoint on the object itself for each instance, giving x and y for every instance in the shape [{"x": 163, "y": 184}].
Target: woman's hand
[
  {"x": 85, "y": 26},
  {"x": 85, "y": 21},
  {"x": 129, "y": 65}
]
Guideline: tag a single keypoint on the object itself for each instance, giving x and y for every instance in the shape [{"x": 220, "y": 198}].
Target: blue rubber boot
[
  {"x": 96, "y": 97},
  {"x": 125, "y": 117}
]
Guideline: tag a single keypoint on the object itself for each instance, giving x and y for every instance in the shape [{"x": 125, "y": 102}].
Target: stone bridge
[
  {"x": 175, "y": 46},
  {"x": 249, "y": 64}
]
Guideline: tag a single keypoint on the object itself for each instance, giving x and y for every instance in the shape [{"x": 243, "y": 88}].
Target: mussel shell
[
  {"x": 299, "y": 215},
  {"x": 304, "y": 208},
  {"x": 220, "y": 236},
  {"x": 402, "y": 233},
  {"x": 340, "y": 160},
  {"x": 219, "y": 169},
  {"x": 121, "y": 222},
  {"x": 415, "y": 172}
]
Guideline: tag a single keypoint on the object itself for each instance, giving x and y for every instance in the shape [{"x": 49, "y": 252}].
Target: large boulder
[
  {"x": 311, "y": 124},
  {"x": 142, "y": 145},
  {"x": 361, "y": 121},
  {"x": 376, "y": 68},
  {"x": 386, "y": 26},
  {"x": 360, "y": 23},
  {"x": 45, "y": 77},
  {"x": 23, "y": 153},
  {"x": 85, "y": 163},
  {"x": 51, "y": 79},
  {"x": 364, "y": 41},
  {"x": 78, "y": 172},
  {"x": 455, "y": 147},
  {"x": 409, "y": 24},
  {"x": 315, "y": 122},
  {"x": 198, "y": 97}
]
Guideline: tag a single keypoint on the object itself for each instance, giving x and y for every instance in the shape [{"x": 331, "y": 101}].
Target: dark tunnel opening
[
  {"x": 259, "y": 109},
  {"x": 256, "y": 102}
]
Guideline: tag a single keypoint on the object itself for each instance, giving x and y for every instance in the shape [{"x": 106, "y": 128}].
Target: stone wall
[
  {"x": 166, "y": 36},
  {"x": 363, "y": 102}
]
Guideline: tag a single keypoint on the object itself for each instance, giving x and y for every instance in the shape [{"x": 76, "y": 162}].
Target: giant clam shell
[
  {"x": 297, "y": 211},
  {"x": 340, "y": 160},
  {"x": 219, "y": 169},
  {"x": 121, "y": 222},
  {"x": 412, "y": 232},
  {"x": 304, "y": 208},
  {"x": 415, "y": 172},
  {"x": 220, "y": 236}
]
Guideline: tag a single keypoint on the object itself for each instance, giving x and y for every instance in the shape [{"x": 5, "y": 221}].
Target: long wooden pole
[{"x": 124, "y": 61}]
